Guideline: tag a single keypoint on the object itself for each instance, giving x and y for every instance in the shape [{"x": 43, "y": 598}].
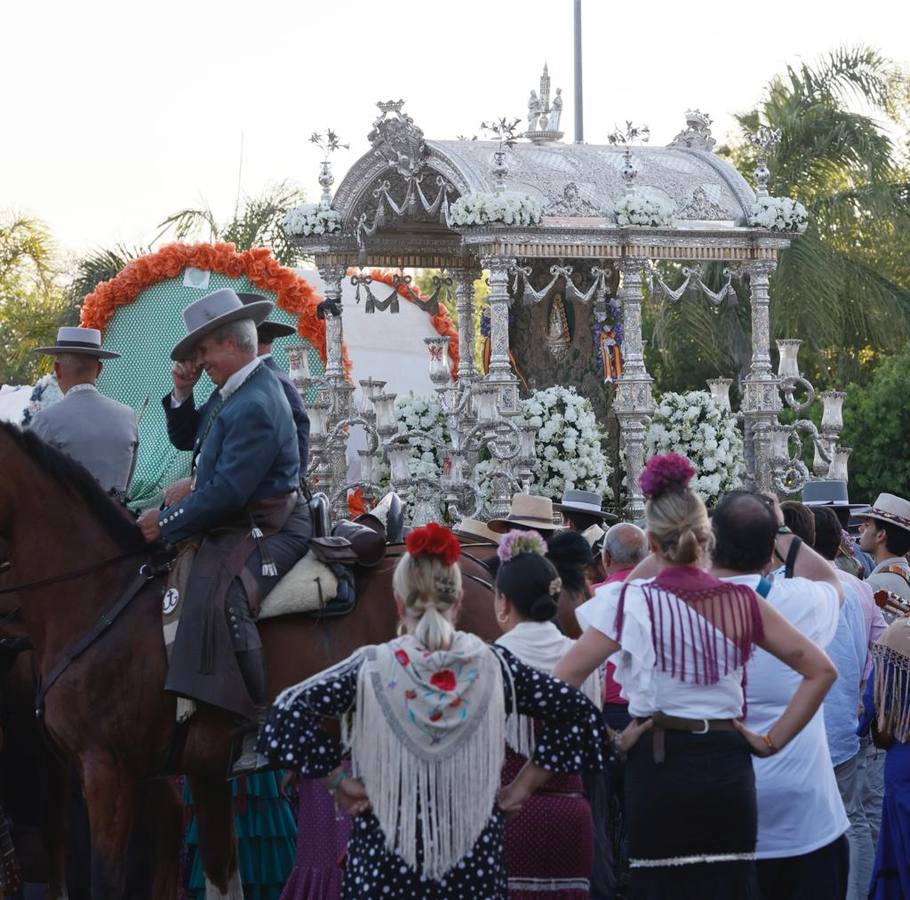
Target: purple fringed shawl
[{"x": 719, "y": 619}]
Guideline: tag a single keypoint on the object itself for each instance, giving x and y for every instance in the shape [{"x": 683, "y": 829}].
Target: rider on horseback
[{"x": 244, "y": 509}]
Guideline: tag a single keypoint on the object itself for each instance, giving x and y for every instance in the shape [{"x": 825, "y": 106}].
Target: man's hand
[
  {"x": 177, "y": 491},
  {"x": 148, "y": 525},
  {"x": 185, "y": 375}
]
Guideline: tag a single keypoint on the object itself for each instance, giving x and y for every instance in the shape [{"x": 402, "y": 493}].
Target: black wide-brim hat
[{"x": 267, "y": 331}]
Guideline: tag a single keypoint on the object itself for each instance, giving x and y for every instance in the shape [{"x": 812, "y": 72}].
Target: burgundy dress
[{"x": 550, "y": 844}]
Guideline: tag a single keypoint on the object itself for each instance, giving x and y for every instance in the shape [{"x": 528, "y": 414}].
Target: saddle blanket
[{"x": 308, "y": 587}]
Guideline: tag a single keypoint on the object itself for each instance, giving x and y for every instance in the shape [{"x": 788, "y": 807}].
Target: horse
[{"x": 76, "y": 556}]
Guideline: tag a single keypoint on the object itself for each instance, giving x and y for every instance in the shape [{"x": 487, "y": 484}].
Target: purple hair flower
[
  {"x": 515, "y": 542},
  {"x": 665, "y": 472}
]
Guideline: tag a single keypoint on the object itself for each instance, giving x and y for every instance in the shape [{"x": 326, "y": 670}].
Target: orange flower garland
[
  {"x": 295, "y": 295},
  {"x": 442, "y": 321}
]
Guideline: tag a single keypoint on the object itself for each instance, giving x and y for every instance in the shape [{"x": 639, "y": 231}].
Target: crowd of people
[{"x": 713, "y": 705}]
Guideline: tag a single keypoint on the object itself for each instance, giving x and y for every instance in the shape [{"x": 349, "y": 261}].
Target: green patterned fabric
[{"x": 144, "y": 332}]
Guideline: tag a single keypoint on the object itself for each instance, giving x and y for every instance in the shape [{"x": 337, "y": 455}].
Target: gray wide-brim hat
[
  {"x": 209, "y": 313},
  {"x": 86, "y": 341},
  {"x": 586, "y": 502},
  {"x": 268, "y": 331}
]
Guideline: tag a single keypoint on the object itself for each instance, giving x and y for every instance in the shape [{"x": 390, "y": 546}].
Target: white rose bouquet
[
  {"x": 485, "y": 208},
  {"x": 568, "y": 447},
  {"x": 779, "y": 214},
  {"x": 311, "y": 218},
  {"x": 643, "y": 211},
  {"x": 695, "y": 425}
]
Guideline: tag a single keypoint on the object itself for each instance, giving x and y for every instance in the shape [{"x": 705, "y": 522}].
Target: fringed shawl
[
  {"x": 540, "y": 645},
  {"x": 428, "y": 739},
  {"x": 720, "y": 620},
  {"x": 892, "y": 680}
]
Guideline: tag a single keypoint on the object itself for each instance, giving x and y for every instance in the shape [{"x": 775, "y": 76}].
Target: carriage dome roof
[{"x": 573, "y": 180}]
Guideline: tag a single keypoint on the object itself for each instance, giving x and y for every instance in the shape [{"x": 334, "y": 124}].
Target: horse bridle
[{"x": 71, "y": 576}]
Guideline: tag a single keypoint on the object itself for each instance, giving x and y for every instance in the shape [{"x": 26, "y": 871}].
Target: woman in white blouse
[{"x": 683, "y": 639}]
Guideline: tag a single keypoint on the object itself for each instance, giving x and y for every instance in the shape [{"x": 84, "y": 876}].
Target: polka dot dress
[{"x": 571, "y": 738}]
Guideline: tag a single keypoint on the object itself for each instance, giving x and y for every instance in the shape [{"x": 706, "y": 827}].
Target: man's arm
[
  {"x": 247, "y": 452},
  {"x": 182, "y": 422}
]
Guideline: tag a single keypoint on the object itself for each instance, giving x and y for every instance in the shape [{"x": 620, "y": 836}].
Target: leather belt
[{"x": 664, "y": 723}]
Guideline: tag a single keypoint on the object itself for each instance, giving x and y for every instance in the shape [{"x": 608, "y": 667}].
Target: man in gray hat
[
  {"x": 94, "y": 430},
  {"x": 244, "y": 509}
]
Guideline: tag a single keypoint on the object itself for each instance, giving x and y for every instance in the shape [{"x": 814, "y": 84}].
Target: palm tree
[
  {"x": 844, "y": 286},
  {"x": 258, "y": 224}
]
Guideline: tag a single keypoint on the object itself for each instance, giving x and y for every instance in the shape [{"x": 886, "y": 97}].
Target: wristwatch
[{"x": 782, "y": 529}]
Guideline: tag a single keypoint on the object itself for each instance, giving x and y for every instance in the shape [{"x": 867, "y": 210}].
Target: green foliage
[
  {"x": 877, "y": 427},
  {"x": 257, "y": 224},
  {"x": 33, "y": 301},
  {"x": 844, "y": 286},
  {"x": 101, "y": 265}
]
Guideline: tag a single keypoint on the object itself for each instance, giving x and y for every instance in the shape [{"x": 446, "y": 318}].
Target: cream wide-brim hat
[
  {"x": 475, "y": 528},
  {"x": 888, "y": 508},
  {"x": 528, "y": 511}
]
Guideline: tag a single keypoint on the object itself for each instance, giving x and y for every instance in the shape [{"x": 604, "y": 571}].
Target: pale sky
[{"x": 118, "y": 113}]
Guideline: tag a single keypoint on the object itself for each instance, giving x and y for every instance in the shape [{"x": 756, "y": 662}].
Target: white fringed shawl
[
  {"x": 540, "y": 645},
  {"x": 427, "y": 738},
  {"x": 892, "y": 680}
]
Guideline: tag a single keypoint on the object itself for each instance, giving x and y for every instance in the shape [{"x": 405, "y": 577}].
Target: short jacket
[
  {"x": 247, "y": 450},
  {"x": 96, "y": 431}
]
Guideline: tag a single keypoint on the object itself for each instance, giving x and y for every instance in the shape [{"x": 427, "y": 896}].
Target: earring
[{"x": 501, "y": 619}]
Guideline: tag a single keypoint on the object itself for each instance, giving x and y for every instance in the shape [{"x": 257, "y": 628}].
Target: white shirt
[
  {"x": 234, "y": 381},
  {"x": 648, "y": 689},
  {"x": 799, "y": 806}
]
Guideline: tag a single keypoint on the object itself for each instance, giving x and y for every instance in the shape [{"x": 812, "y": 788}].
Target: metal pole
[{"x": 579, "y": 105}]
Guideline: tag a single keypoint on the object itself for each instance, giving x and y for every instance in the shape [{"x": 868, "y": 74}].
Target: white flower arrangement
[
  {"x": 44, "y": 393},
  {"x": 644, "y": 211},
  {"x": 779, "y": 214},
  {"x": 697, "y": 426},
  {"x": 486, "y": 208},
  {"x": 311, "y": 218},
  {"x": 568, "y": 446}
]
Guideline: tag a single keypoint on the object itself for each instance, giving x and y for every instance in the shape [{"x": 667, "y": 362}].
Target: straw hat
[
  {"x": 527, "y": 511},
  {"x": 474, "y": 528},
  {"x": 86, "y": 341},
  {"x": 209, "y": 313},
  {"x": 888, "y": 508}
]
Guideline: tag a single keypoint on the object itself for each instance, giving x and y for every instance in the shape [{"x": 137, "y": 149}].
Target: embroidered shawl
[{"x": 428, "y": 739}]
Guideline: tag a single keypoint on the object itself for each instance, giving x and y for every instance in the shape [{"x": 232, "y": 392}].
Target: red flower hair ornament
[
  {"x": 434, "y": 540},
  {"x": 665, "y": 472}
]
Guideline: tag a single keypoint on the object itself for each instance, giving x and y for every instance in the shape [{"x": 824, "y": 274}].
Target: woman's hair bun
[{"x": 544, "y": 608}]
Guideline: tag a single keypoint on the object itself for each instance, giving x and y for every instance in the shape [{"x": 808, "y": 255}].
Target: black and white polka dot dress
[{"x": 571, "y": 738}]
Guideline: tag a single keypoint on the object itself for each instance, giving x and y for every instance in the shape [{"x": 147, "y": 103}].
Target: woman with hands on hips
[
  {"x": 425, "y": 718},
  {"x": 682, "y": 639}
]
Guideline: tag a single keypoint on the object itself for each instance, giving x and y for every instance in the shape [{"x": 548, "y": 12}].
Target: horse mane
[{"x": 77, "y": 480}]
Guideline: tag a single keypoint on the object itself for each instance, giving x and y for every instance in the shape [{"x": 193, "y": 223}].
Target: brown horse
[{"x": 73, "y": 553}]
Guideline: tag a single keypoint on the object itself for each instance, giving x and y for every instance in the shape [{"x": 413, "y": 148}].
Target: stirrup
[{"x": 250, "y": 760}]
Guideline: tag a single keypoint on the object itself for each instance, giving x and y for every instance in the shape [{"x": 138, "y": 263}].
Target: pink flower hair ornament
[
  {"x": 665, "y": 472},
  {"x": 515, "y": 542}
]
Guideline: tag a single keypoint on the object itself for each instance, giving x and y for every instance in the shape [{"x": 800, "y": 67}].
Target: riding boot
[{"x": 252, "y": 668}]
